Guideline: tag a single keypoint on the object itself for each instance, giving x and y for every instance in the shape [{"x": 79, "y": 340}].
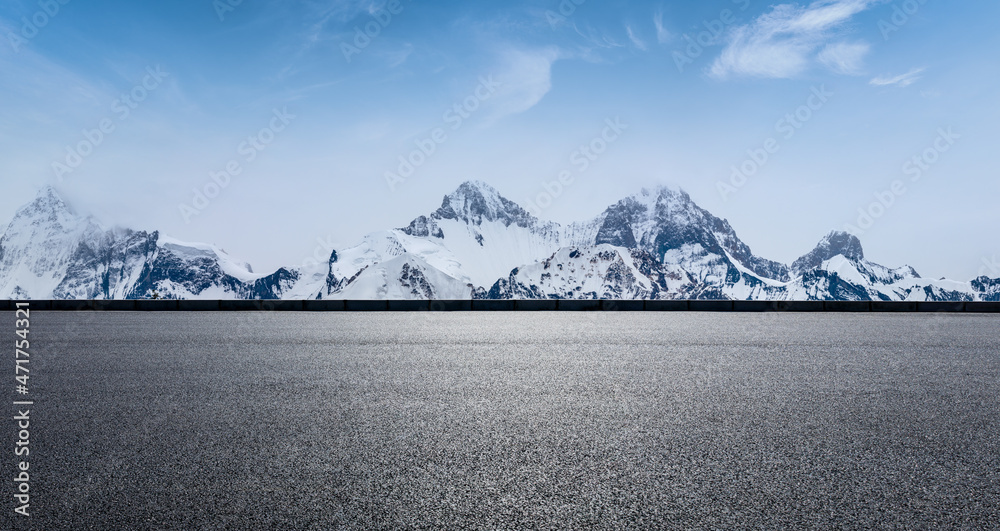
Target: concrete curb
[
  {"x": 941, "y": 306},
  {"x": 847, "y": 306},
  {"x": 493, "y": 305},
  {"x": 450, "y": 306},
  {"x": 711, "y": 306},
  {"x": 366, "y": 306},
  {"x": 882, "y": 306},
  {"x": 157, "y": 306},
  {"x": 666, "y": 306},
  {"x": 982, "y": 307},
  {"x": 800, "y": 306},
  {"x": 240, "y": 306},
  {"x": 323, "y": 306},
  {"x": 579, "y": 305},
  {"x": 505, "y": 306},
  {"x": 536, "y": 305}
]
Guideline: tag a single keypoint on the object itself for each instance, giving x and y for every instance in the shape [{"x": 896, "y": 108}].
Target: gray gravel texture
[{"x": 511, "y": 421}]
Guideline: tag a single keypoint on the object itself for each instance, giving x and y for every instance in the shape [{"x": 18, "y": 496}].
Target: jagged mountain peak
[
  {"x": 833, "y": 244},
  {"x": 475, "y": 186},
  {"x": 664, "y": 190},
  {"x": 665, "y": 204},
  {"x": 48, "y": 191},
  {"x": 656, "y": 243},
  {"x": 844, "y": 243},
  {"x": 475, "y": 202},
  {"x": 664, "y": 219},
  {"x": 48, "y": 204},
  {"x": 651, "y": 198},
  {"x": 39, "y": 244},
  {"x": 45, "y": 218},
  {"x": 621, "y": 223}
]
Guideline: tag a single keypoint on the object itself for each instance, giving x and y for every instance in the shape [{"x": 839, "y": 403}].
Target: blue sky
[{"x": 301, "y": 115}]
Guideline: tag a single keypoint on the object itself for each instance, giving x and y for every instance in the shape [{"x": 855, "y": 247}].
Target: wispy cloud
[
  {"x": 902, "y": 80},
  {"x": 596, "y": 38},
  {"x": 329, "y": 20},
  {"x": 635, "y": 39},
  {"x": 782, "y": 43},
  {"x": 662, "y": 35},
  {"x": 525, "y": 77},
  {"x": 845, "y": 58},
  {"x": 400, "y": 55}
]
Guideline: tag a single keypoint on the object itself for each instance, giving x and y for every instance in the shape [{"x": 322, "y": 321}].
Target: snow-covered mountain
[
  {"x": 463, "y": 247},
  {"x": 602, "y": 271},
  {"x": 43, "y": 246},
  {"x": 666, "y": 222},
  {"x": 837, "y": 269},
  {"x": 656, "y": 244},
  {"x": 483, "y": 235},
  {"x": 49, "y": 251},
  {"x": 986, "y": 289}
]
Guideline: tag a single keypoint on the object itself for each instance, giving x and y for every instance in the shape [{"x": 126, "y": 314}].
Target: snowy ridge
[
  {"x": 599, "y": 272},
  {"x": 480, "y": 234},
  {"x": 203, "y": 251},
  {"x": 405, "y": 277},
  {"x": 833, "y": 244},
  {"x": 655, "y": 244},
  {"x": 38, "y": 247},
  {"x": 50, "y": 252}
]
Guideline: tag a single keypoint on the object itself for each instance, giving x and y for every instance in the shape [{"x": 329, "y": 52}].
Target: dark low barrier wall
[{"x": 511, "y": 305}]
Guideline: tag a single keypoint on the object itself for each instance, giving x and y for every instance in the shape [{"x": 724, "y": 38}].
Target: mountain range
[{"x": 656, "y": 244}]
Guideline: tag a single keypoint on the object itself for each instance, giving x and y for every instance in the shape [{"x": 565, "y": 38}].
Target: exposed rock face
[
  {"x": 833, "y": 244},
  {"x": 52, "y": 252},
  {"x": 656, "y": 244}
]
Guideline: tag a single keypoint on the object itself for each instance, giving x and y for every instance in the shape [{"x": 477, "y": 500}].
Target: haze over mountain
[{"x": 655, "y": 244}]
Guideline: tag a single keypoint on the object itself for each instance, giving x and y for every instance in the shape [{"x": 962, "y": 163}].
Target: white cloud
[
  {"x": 596, "y": 38},
  {"x": 662, "y": 35},
  {"x": 902, "y": 80},
  {"x": 400, "y": 55},
  {"x": 336, "y": 16},
  {"x": 525, "y": 77},
  {"x": 635, "y": 39},
  {"x": 781, "y": 43},
  {"x": 844, "y": 58}
]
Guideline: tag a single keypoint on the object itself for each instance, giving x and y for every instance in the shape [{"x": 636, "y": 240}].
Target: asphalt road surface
[{"x": 509, "y": 421}]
